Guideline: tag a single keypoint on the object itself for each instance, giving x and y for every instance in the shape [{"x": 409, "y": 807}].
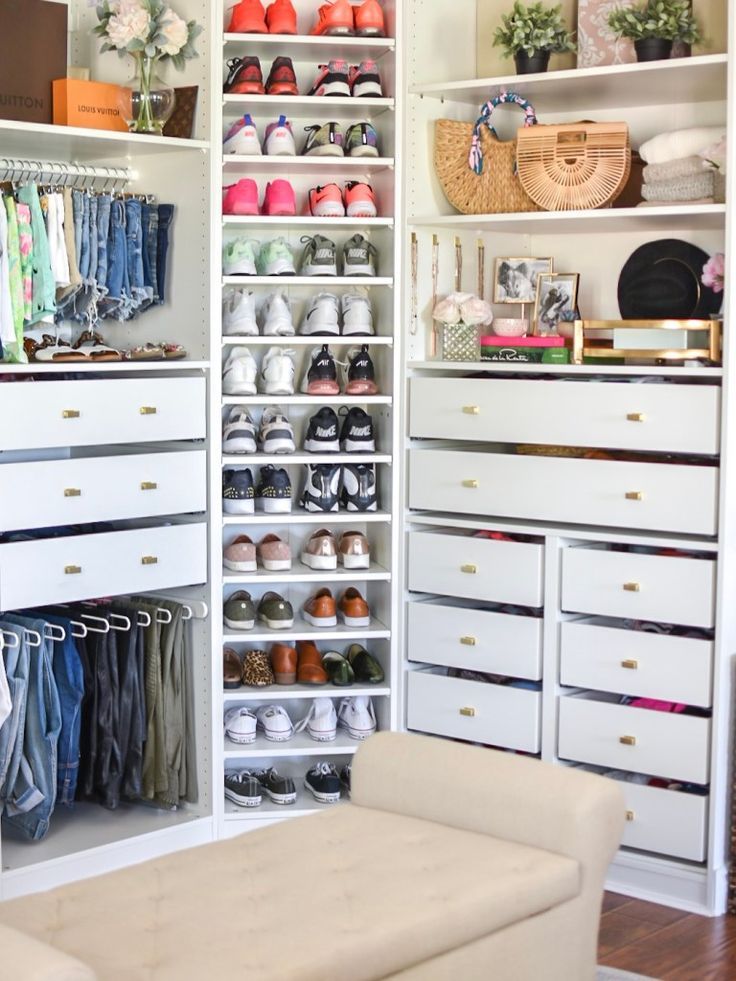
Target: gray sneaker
[
  {"x": 319, "y": 257},
  {"x": 359, "y": 257},
  {"x": 240, "y": 611}
]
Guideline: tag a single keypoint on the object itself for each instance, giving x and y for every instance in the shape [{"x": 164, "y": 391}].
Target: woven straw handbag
[
  {"x": 477, "y": 171},
  {"x": 574, "y": 166}
]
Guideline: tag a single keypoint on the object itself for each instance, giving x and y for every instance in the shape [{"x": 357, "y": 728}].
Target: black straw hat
[{"x": 662, "y": 279}]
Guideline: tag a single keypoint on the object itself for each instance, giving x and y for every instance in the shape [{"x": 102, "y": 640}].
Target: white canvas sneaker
[
  {"x": 239, "y": 374},
  {"x": 279, "y": 140},
  {"x": 276, "y": 316},
  {"x": 321, "y": 316},
  {"x": 321, "y": 721},
  {"x": 357, "y": 716},
  {"x": 239, "y": 314},
  {"x": 276, "y": 434},
  {"x": 275, "y": 722},
  {"x": 277, "y": 372},
  {"x": 240, "y": 725},
  {"x": 239, "y": 433},
  {"x": 357, "y": 315},
  {"x": 242, "y": 138}
]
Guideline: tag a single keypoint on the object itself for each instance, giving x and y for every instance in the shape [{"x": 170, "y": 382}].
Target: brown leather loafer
[
  {"x": 283, "y": 662},
  {"x": 354, "y": 608},
  {"x": 309, "y": 669},
  {"x": 320, "y": 610},
  {"x": 232, "y": 669}
]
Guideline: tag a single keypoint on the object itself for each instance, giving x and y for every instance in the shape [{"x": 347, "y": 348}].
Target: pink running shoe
[
  {"x": 326, "y": 202},
  {"x": 279, "y": 199},
  {"x": 360, "y": 201},
  {"x": 240, "y": 198}
]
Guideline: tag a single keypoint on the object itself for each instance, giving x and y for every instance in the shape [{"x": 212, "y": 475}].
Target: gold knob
[
  {"x": 632, "y": 587},
  {"x": 149, "y": 485},
  {"x": 468, "y": 641},
  {"x": 72, "y": 492},
  {"x": 70, "y": 414},
  {"x": 470, "y": 570},
  {"x": 631, "y": 665},
  {"x": 471, "y": 410},
  {"x": 149, "y": 560},
  {"x": 467, "y": 711},
  {"x": 72, "y": 570},
  {"x": 472, "y": 484},
  {"x": 148, "y": 410},
  {"x": 627, "y": 740},
  {"x": 636, "y": 417},
  {"x": 630, "y": 815},
  {"x": 634, "y": 496}
]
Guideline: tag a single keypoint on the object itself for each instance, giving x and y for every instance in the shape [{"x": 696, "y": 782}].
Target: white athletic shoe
[
  {"x": 276, "y": 316},
  {"x": 277, "y": 372},
  {"x": 242, "y": 138},
  {"x": 321, "y": 316},
  {"x": 239, "y": 314},
  {"x": 357, "y": 716},
  {"x": 275, "y": 722},
  {"x": 276, "y": 434},
  {"x": 321, "y": 721},
  {"x": 279, "y": 140},
  {"x": 357, "y": 315},
  {"x": 239, "y": 374},
  {"x": 239, "y": 433}
]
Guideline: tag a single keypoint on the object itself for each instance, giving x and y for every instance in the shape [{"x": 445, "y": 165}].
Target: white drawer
[
  {"x": 99, "y": 413},
  {"x": 476, "y": 568},
  {"x": 83, "y": 490},
  {"x": 474, "y": 711},
  {"x": 635, "y": 662},
  {"x": 665, "y": 821},
  {"x": 614, "y": 415},
  {"x": 56, "y": 570},
  {"x": 666, "y": 497},
  {"x": 640, "y": 587},
  {"x": 482, "y": 640},
  {"x": 664, "y": 744}
]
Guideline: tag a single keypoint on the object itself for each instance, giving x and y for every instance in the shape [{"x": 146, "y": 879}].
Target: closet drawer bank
[
  {"x": 650, "y": 665},
  {"x": 83, "y": 490},
  {"x": 476, "y": 568},
  {"x": 652, "y": 496},
  {"x": 98, "y": 413},
  {"x": 471, "y": 710},
  {"x": 661, "y": 744},
  {"x": 665, "y": 821},
  {"x": 616, "y": 415},
  {"x": 56, "y": 570},
  {"x": 480, "y": 640},
  {"x": 664, "y": 588}
]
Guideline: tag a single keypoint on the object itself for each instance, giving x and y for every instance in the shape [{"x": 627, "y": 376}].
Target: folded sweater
[
  {"x": 661, "y": 204},
  {"x": 679, "y": 189},
  {"x": 684, "y": 167},
  {"x": 679, "y": 143}
]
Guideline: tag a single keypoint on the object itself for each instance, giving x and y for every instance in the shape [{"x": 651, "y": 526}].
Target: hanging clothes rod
[{"x": 74, "y": 175}]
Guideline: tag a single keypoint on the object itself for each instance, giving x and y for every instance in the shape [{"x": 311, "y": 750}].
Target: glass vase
[{"x": 146, "y": 101}]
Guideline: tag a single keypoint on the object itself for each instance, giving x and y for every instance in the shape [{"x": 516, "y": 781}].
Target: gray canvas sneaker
[{"x": 319, "y": 257}]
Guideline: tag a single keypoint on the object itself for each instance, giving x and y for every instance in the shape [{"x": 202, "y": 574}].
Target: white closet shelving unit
[
  {"x": 378, "y": 584},
  {"x": 582, "y": 558}
]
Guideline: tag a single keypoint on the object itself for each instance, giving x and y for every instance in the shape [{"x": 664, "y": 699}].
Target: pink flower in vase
[{"x": 714, "y": 272}]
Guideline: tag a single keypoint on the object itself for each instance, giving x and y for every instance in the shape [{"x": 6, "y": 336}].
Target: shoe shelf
[
  {"x": 305, "y": 631},
  {"x": 309, "y": 106},
  {"x": 309, "y": 221},
  {"x": 314, "y": 400},
  {"x": 301, "y": 743},
  {"x": 310, "y": 518},
  {"x": 283, "y": 281},
  {"x": 298, "y": 340},
  {"x": 293, "y": 165},
  {"x": 305, "y": 804},
  {"x": 279, "y": 693},
  {"x": 520, "y": 368},
  {"x": 301, "y": 47},
  {"x": 103, "y": 367},
  {"x": 302, "y": 573},
  {"x": 293, "y": 459}
]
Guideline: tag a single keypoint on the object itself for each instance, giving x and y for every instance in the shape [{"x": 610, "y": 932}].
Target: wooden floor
[{"x": 666, "y": 943}]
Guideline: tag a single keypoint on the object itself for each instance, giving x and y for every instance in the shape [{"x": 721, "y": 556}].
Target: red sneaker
[
  {"x": 281, "y": 17},
  {"x": 240, "y": 198},
  {"x": 360, "y": 201},
  {"x": 326, "y": 202},
  {"x": 282, "y": 78},
  {"x": 369, "y": 20},
  {"x": 245, "y": 77},
  {"x": 248, "y": 17},
  {"x": 335, "y": 19},
  {"x": 333, "y": 79}
]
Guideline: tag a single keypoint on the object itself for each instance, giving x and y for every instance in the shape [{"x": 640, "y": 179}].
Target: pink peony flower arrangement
[
  {"x": 714, "y": 272},
  {"x": 146, "y": 28},
  {"x": 463, "y": 308}
]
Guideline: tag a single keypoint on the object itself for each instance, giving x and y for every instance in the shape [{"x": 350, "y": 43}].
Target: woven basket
[
  {"x": 574, "y": 166},
  {"x": 477, "y": 171}
]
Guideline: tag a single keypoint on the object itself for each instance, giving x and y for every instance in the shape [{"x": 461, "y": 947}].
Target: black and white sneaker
[
  {"x": 276, "y": 434},
  {"x": 356, "y": 435},
  {"x": 321, "y": 434},
  {"x": 274, "y": 490},
  {"x": 323, "y": 783},
  {"x": 359, "y": 491},
  {"x": 238, "y": 493},
  {"x": 322, "y": 492},
  {"x": 243, "y": 789},
  {"x": 359, "y": 374},
  {"x": 239, "y": 432},
  {"x": 281, "y": 790},
  {"x": 320, "y": 378}
]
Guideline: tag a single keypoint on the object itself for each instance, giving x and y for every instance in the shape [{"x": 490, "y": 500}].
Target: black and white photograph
[
  {"x": 557, "y": 294},
  {"x": 515, "y": 280}
]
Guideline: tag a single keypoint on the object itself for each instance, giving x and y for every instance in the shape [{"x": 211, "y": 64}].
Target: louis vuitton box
[{"x": 33, "y": 52}]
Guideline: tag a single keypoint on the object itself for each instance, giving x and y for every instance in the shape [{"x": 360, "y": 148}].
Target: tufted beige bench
[{"x": 451, "y": 862}]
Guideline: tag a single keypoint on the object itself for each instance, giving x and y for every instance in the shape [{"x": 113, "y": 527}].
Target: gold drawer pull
[
  {"x": 468, "y": 641},
  {"x": 630, "y": 815},
  {"x": 149, "y": 485},
  {"x": 70, "y": 414},
  {"x": 630, "y": 664},
  {"x": 471, "y": 410},
  {"x": 467, "y": 711},
  {"x": 72, "y": 492},
  {"x": 634, "y": 496},
  {"x": 632, "y": 587},
  {"x": 148, "y": 410},
  {"x": 470, "y": 570},
  {"x": 636, "y": 417},
  {"x": 72, "y": 570},
  {"x": 627, "y": 740},
  {"x": 472, "y": 484},
  {"x": 149, "y": 560}
]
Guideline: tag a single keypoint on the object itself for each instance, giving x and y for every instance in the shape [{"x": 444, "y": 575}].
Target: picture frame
[
  {"x": 515, "y": 277},
  {"x": 557, "y": 293}
]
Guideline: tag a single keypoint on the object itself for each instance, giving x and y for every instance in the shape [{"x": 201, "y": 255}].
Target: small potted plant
[
  {"x": 654, "y": 26},
  {"x": 531, "y": 34}
]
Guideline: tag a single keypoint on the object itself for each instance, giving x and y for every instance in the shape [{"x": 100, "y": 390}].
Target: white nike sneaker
[
  {"x": 239, "y": 314},
  {"x": 276, "y": 316},
  {"x": 357, "y": 716},
  {"x": 239, "y": 432},
  {"x": 276, "y": 434},
  {"x": 321, "y": 721},
  {"x": 239, "y": 374},
  {"x": 242, "y": 138},
  {"x": 321, "y": 316},
  {"x": 277, "y": 372},
  {"x": 279, "y": 140},
  {"x": 357, "y": 315}
]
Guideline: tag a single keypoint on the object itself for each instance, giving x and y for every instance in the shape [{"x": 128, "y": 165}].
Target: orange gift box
[{"x": 93, "y": 105}]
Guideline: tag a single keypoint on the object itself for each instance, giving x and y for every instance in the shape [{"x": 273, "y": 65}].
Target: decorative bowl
[{"x": 510, "y": 326}]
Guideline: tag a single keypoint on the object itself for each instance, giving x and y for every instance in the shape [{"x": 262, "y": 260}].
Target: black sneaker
[
  {"x": 243, "y": 789},
  {"x": 238, "y": 493},
  {"x": 360, "y": 375},
  {"x": 282, "y": 78},
  {"x": 274, "y": 490},
  {"x": 320, "y": 377},
  {"x": 322, "y": 492},
  {"x": 356, "y": 435},
  {"x": 346, "y": 774},
  {"x": 323, "y": 783},
  {"x": 244, "y": 77},
  {"x": 281, "y": 790},
  {"x": 321, "y": 434},
  {"x": 359, "y": 487}
]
